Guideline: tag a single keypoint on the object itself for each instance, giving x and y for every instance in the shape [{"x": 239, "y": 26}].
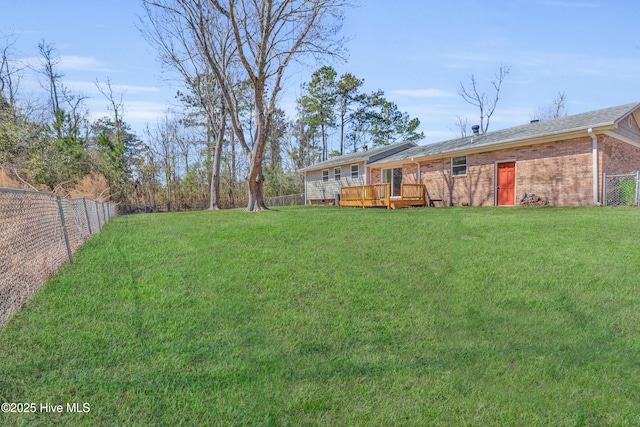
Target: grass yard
[{"x": 336, "y": 317}]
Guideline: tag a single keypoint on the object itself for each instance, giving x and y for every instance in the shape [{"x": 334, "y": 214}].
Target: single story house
[
  {"x": 562, "y": 161},
  {"x": 323, "y": 180}
]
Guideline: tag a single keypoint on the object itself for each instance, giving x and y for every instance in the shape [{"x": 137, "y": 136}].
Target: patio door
[
  {"x": 506, "y": 183},
  {"x": 394, "y": 177}
]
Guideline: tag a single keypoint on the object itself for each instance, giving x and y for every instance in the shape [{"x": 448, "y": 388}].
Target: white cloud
[
  {"x": 136, "y": 113},
  {"x": 67, "y": 63},
  {"x": 32, "y": 62},
  {"x": 144, "y": 111},
  {"x": 134, "y": 88},
  {"x": 423, "y": 93},
  {"x": 90, "y": 86},
  {"x": 82, "y": 63}
]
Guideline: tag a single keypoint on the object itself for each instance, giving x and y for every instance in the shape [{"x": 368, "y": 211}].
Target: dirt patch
[
  {"x": 93, "y": 186},
  {"x": 7, "y": 181}
]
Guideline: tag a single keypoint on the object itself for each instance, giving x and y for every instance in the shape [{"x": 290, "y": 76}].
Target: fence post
[
  {"x": 98, "y": 216},
  {"x": 604, "y": 189},
  {"x": 638, "y": 189},
  {"x": 64, "y": 229},
  {"x": 86, "y": 214}
]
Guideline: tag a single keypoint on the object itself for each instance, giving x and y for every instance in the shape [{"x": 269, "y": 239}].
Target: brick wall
[
  {"x": 409, "y": 173},
  {"x": 560, "y": 172},
  {"x": 618, "y": 157},
  {"x": 376, "y": 175}
]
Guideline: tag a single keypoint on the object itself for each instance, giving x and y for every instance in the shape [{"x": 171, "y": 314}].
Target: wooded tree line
[
  {"x": 50, "y": 143},
  {"x": 228, "y": 142}
]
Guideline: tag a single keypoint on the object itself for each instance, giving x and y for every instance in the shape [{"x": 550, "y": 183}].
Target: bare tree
[
  {"x": 558, "y": 108},
  {"x": 178, "y": 46},
  {"x": 76, "y": 114},
  {"x": 486, "y": 104},
  {"x": 266, "y": 36},
  {"x": 463, "y": 126},
  {"x": 49, "y": 64},
  {"x": 66, "y": 122},
  {"x": 115, "y": 105},
  {"x": 163, "y": 147},
  {"x": 9, "y": 73}
]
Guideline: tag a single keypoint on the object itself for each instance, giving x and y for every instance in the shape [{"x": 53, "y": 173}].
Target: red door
[{"x": 506, "y": 183}]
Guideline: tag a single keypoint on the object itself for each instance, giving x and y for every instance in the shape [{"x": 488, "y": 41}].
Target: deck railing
[
  {"x": 412, "y": 191},
  {"x": 380, "y": 195},
  {"x": 365, "y": 195}
]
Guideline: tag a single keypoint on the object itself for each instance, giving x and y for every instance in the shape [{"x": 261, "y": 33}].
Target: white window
[
  {"x": 459, "y": 165},
  {"x": 337, "y": 173},
  {"x": 354, "y": 171},
  {"x": 325, "y": 175}
]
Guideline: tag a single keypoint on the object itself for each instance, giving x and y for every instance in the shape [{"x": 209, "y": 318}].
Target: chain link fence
[
  {"x": 289, "y": 200},
  {"x": 38, "y": 233},
  {"x": 622, "y": 190}
]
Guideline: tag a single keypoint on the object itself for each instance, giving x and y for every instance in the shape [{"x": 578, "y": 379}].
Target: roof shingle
[
  {"x": 591, "y": 119},
  {"x": 360, "y": 155}
]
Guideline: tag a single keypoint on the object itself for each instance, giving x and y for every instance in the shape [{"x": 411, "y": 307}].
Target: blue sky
[{"x": 416, "y": 51}]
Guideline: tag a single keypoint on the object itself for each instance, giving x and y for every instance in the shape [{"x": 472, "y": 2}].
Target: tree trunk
[
  {"x": 214, "y": 203},
  {"x": 324, "y": 143},
  {"x": 256, "y": 193},
  {"x": 256, "y": 182},
  {"x": 232, "y": 170},
  {"x": 169, "y": 193},
  {"x": 256, "y": 178},
  {"x": 342, "y": 134}
]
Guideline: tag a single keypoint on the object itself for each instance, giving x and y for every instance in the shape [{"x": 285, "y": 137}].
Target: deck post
[{"x": 388, "y": 190}]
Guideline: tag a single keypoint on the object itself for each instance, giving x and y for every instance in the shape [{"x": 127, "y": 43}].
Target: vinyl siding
[{"x": 316, "y": 189}]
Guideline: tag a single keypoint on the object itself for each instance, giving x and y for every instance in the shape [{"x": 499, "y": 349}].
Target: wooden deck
[{"x": 379, "y": 195}]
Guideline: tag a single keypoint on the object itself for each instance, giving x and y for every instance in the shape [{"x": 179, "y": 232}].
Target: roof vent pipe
[{"x": 475, "y": 129}]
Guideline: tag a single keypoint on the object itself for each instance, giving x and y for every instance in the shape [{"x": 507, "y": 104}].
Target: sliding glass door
[{"x": 394, "y": 177}]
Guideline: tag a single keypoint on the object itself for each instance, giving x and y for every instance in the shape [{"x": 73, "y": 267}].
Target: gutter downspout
[
  {"x": 418, "y": 178},
  {"x": 596, "y": 175},
  {"x": 304, "y": 177}
]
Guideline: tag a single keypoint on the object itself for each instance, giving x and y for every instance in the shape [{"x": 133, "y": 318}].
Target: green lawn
[{"x": 327, "y": 316}]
